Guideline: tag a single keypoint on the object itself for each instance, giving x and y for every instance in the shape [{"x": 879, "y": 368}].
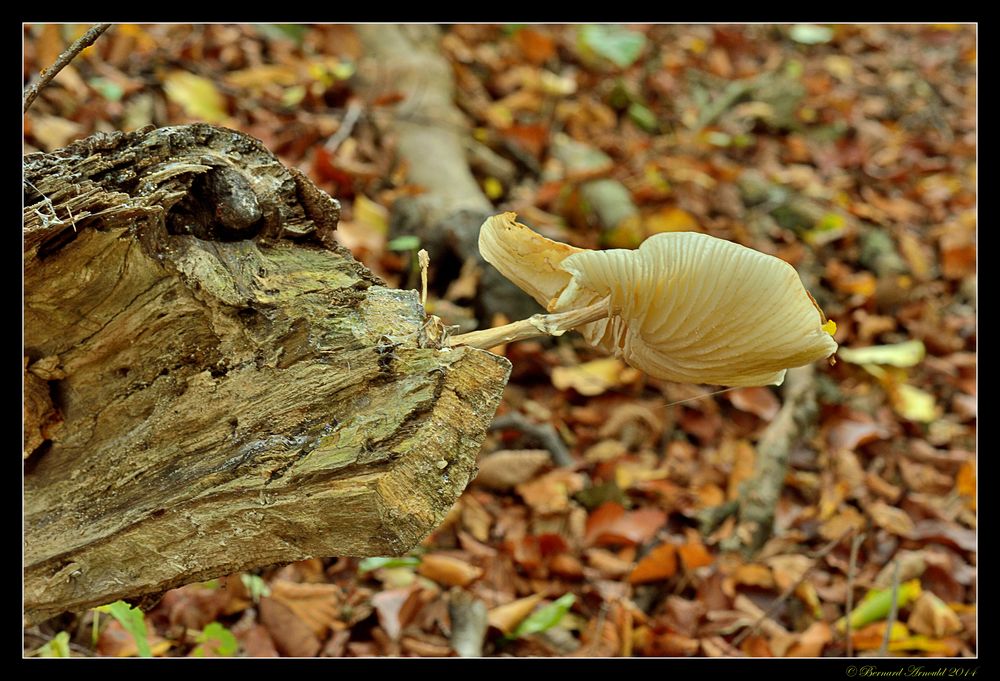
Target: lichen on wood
[{"x": 234, "y": 389}]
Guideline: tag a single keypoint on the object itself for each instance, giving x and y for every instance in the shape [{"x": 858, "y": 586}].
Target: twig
[
  {"x": 893, "y": 611},
  {"x": 852, "y": 566},
  {"x": 536, "y": 325},
  {"x": 354, "y": 111},
  {"x": 543, "y": 432},
  {"x": 790, "y": 590},
  {"x": 46, "y": 76}
]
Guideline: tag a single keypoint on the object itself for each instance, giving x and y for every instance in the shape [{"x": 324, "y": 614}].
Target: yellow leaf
[
  {"x": 196, "y": 95},
  {"x": 371, "y": 214},
  {"x": 906, "y": 354},
  {"x": 591, "y": 378},
  {"x": 914, "y": 404},
  {"x": 672, "y": 220}
]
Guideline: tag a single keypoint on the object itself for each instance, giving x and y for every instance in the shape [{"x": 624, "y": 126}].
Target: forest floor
[{"x": 848, "y": 151}]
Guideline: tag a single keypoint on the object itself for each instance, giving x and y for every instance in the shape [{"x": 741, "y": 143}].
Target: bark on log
[
  {"x": 431, "y": 133},
  {"x": 235, "y": 389}
]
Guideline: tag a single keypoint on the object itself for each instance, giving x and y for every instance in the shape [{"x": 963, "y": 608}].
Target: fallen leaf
[
  {"x": 115, "y": 641},
  {"x": 538, "y": 47},
  {"x": 659, "y": 564},
  {"x": 448, "y": 570},
  {"x": 871, "y": 637},
  {"x": 395, "y": 608},
  {"x": 633, "y": 527},
  {"x": 318, "y": 605},
  {"x": 932, "y": 617},
  {"x": 812, "y": 641},
  {"x": 759, "y": 401},
  {"x": 256, "y": 641},
  {"x": 566, "y": 565},
  {"x": 671, "y": 219},
  {"x": 196, "y": 95},
  {"x": 292, "y": 637},
  {"x": 609, "y": 564},
  {"x": 594, "y": 377},
  {"x": 670, "y": 644},
  {"x": 877, "y": 603},
  {"x": 507, "y": 617},
  {"x": 422, "y": 648},
  {"x": 914, "y": 404},
  {"x": 550, "y": 493},
  {"x": 945, "y": 533},
  {"x": 54, "y": 132},
  {"x": 508, "y": 468},
  {"x": 850, "y": 434},
  {"x": 754, "y": 574},
  {"x": 694, "y": 555},
  {"x": 907, "y": 354}
]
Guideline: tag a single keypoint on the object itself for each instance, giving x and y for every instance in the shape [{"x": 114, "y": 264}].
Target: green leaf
[
  {"x": 369, "y": 564},
  {"x": 617, "y": 44},
  {"x": 810, "y": 34},
  {"x": 877, "y": 604},
  {"x": 132, "y": 621},
  {"x": 108, "y": 89},
  {"x": 256, "y": 586},
  {"x": 57, "y": 647},
  {"x": 544, "y": 618},
  {"x": 906, "y": 354},
  {"x": 404, "y": 243},
  {"x": 643, "y": 117},
  {"x": 295, "y": 32},
  {"x": 226, "y": 645}
]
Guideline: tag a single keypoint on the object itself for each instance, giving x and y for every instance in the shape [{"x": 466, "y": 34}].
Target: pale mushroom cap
[
  {"x": 686, "y": 307},
  {"x": 525, "y": 257},
  {"x": 692, "y": 308}
]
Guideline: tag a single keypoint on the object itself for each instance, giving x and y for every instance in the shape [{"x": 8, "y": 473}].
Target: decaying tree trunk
[{"x": 212, "y": 383}]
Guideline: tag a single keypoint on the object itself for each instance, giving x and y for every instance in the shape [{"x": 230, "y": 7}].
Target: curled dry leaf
[
  {"x": 550, "y": 493},
  {"x": 658, "y": 564},
  {"x": 506, "y": 617},
  {"x": 395, "y": 608},
  {"x": 932, "y": 617},
  {"x": 684, "y": 306},
  {"x": 318, "y": 605},
  {"x": 508, "y": 468},
  {"x": 448, "y": 570}
]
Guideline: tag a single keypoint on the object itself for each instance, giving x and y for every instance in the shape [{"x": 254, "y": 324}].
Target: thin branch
[
  {"x": 46, "y": 76},
  {"x": 893, "y": 611},
  {"x": 851, "y": 568},
  {"x": 544, "y": 433},
  {"x": 790, "y": 590},
  {"x": 536, "y": 325}
]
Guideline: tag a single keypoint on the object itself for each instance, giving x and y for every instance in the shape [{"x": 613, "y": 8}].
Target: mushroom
[{"x": 684, "y": 306}]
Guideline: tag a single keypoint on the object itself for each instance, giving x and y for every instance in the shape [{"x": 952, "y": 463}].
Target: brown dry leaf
[
  {"x": 811, "y": 641},
  {"x": 759, "y": 401},
  {"x": 754, "y": 574},
  {"x": 658, "y": 564},
  {"x": 395, "y": 608},
  {"x": 594, "y": 377},
  {"x": 742, "y": 457},
  {"x": 194, "y": 606},
  {"x": 506, "y": 617},
  {"x": 756, "y": 646},
  {"x": 932, "y": 617},
  {"x": 890, "y": 518},
  {"x": 255, "y": 641},
  {"x": 716, "y": 646},
  {"x": 292, "y": 637},
  {"x": 851, "y": 433},
  {"x": 879, "y": 486},
  {"x": 925, "y": 478},
  {"x": 54, "y": 132},
  {"x": 609, "y": 564},
  {"x": 566, "y": 565},
  {"x": 508, "y": 468},
  {"x": 847, "y": 518},
  {"x": 788, "y": 568},
  {"x": 426, "y": 648},
  {"x": 550, "y": 493},
  {"x": 475, "y": 518},
  {"x": 318, "y": 605},
  {"x": 537, "y": 47},
  {"x": 115, "y": 641},
  {"x": 670, "y": 644},
  {"x": 693, "y": 553},
  {"x": 604, "y": 450},
  {"x": 633, "y": 527},
  {"x": 683, "y": 615},
  {"x": 448, "y": 570},
  {"x": 849, "y": 472},
  {"x": 337, "y": 644}
]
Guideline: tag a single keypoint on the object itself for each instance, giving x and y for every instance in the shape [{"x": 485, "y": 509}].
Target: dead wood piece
[
  {"x": 235, "y": 389},
  {"x": 431, "y": 134},
  {"x": 759, "y": 494}
]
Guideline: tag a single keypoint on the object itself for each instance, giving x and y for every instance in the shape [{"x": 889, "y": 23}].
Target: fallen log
[{"x": 215, "y": 384}]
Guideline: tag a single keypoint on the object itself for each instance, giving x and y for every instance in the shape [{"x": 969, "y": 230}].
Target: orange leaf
[
  {"x": 694, "y": 555},
  {"x": 537, "y": 47},
  {"x": 658, "y": 564},
  {"x": 811, "y": 641},
  {"x": 634, "y": 527}
]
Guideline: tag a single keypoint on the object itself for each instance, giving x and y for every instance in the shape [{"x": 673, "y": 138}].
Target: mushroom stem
[{"x": 536, "y": 325}]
